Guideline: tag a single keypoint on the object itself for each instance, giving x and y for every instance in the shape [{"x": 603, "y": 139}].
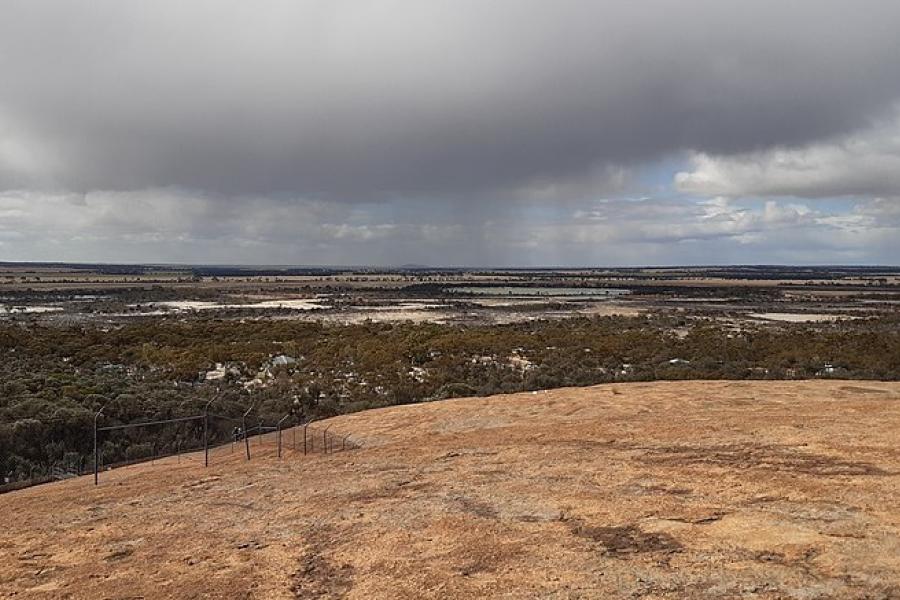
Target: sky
[{"x": 450, "y": 132}]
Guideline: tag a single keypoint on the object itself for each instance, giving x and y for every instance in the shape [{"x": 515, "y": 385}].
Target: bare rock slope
[{"x": 662, "y": 490}]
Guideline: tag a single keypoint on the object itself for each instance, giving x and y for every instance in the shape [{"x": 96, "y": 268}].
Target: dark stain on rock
[
  {"x": 624, "y": 540},
  {"x": 767, "y": 457}
]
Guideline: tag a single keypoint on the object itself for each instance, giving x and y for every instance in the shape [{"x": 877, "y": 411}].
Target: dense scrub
[{"x": 54, "y": 379}]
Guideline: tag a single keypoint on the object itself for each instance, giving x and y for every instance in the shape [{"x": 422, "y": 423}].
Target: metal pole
[
  {"x": 325, "y": 440},
  {"x": 244, "y": 423},
  {"x": 278, "y": 434},
  {"x": 206, "y": 433},
  {"x": 312, "y": 441},
  {"x": 96, "y": 458},
  {"x": 246, "y": 439},
  {"x": 96, "y": 453},
  {"x": 296, "y": 409}
]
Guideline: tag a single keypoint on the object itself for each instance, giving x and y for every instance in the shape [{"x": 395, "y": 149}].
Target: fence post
[
  {"x": 278, "y": 434},
  {"x": 206, "y": 433},
  {"x": 96, "y": 459},
  {"x": 96, "y": 453},
  {"x": 325, "y": 439},
  {"x": 244, "y": 424}
]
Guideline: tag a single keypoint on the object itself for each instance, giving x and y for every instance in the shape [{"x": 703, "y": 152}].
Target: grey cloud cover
[
  {"x": 353, "y": 99},
  {"x": 303, "y": 110}
]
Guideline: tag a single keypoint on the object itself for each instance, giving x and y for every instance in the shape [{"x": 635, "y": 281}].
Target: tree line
[{"x": 53, "y": 378}]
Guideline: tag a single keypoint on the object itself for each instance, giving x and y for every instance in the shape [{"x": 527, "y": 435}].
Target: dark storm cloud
[{"x": 367, "y": 100}]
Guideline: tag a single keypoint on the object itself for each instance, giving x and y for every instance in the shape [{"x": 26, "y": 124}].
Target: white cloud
[
  {"x": 719, "y": 230},
  {"x": 172, "y": 225},
  {"x": 863, "y": 163}
]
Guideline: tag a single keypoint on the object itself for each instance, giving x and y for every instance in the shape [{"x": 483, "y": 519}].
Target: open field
[
  {"x": 111, "y": 294},
  {"x": 652, "y": 490}
]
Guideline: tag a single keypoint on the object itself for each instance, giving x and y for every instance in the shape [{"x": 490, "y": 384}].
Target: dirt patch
[
  {"x": 475, "y": 507},
  {"x": 624, "y": 540},
  {"x": 766, "y": 457},
  {"x": 855, "y": 389},
  {"x": 648, "y": 489},
  {"x": 319, "y": 576},
  {"x": 119, "y": 553}
]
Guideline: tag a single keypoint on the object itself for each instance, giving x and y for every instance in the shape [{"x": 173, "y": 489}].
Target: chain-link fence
[{"x": 205, "y": 438}]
